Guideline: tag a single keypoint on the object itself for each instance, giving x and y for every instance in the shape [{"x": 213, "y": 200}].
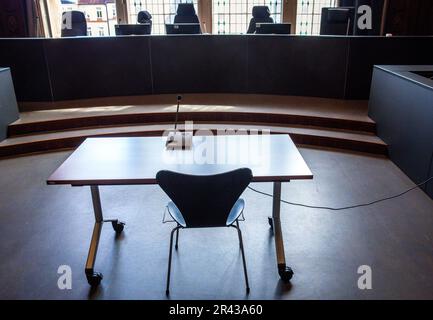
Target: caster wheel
[
  {"x": 118, "y": 226},
  {"x": 286, "y": 273},
  {"x": 94, "y": 278},
  {"x": 271, "y": 222}
]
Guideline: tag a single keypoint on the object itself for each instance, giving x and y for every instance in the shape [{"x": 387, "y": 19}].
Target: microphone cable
[{"x": 348, "y": 207}]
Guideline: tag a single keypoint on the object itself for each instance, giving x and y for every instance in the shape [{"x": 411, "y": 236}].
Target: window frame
[
  {"x": 245, "y": 15},
  {"x": 132, "y": 16},
  {"x": 314, "y": 16},
  {"x": 204, "y": 8},
  {"x": 99, "y": 13}
]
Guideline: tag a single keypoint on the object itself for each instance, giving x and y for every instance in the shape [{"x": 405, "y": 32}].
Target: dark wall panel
[
  {"x": 403, "y": 111},
  {"x": 308, "y": 66},
  {"x": 365, "y": 52},
  {"x": 13, "y": 20},
  {"x": 26, "y": 59},
  {"x": 199, "y": 64},
  {"x": 99, "y": 67},
  {"x": 409, "y": 17},
  {"x": 8, "y": 102},
  {"x": 429, "y": 187}
]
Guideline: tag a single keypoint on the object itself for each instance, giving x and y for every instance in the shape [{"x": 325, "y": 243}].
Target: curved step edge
[
  {"x": 168, "y": 117},
  {"x": 73, "y": 142}
]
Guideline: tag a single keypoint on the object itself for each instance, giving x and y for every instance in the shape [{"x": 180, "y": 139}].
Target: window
[
  {"x": 104, "y": 22},
  {"x": 162, "y": 11},
  {"x": 99, "y": 13},
  {"x": 234, "y": 16},
  {"x": 68, "y": 7},
  {"x": 309, "y": 15},
  {"x": 228, "y": 16}
]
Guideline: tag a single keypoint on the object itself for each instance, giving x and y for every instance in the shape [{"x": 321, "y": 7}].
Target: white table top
[{"x": 136, "y": 160}]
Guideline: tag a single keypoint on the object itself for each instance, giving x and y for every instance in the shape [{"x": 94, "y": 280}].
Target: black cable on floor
[{"x": 348, "y": 207}]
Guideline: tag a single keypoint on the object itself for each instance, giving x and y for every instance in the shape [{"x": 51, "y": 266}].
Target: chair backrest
[
  {"x": 182, "y": 28},
  {"x": 261, "y": 14},
  {"x": 74, "y": 24},
  {"x": 144, "y": 17},
  {"x": 204, "y": 201},
  {"x": 337, "y": 21},
  {"x": 133, "y": 29},
  {"x": 186, "y": 14}
]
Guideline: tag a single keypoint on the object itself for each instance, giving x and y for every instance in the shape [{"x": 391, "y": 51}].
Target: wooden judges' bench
[{"x": 315, "y": 66}]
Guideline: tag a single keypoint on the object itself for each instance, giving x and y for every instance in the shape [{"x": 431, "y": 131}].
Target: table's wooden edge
[
  {"x": 80, "y": 183},
  {"x": 153, "y": 181},
  {"x": 283, "y": 178}
]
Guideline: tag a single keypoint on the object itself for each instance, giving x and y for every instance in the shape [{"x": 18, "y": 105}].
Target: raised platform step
[
  {"x": 312, "y": 121},
  {"x": 20, "y": 145},
  {"x": 208, "y": 108}
]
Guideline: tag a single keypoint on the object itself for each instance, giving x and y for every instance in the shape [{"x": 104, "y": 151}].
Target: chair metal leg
[
  {"x": 177, "y": 239},
  {"x": 243, "y": 256},
  {"x": 167, "y": 291}
]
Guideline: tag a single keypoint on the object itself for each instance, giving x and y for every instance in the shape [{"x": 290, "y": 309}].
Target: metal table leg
[
  {"x": 284, "y": 271},
  {"x": 93, "y": 277}
]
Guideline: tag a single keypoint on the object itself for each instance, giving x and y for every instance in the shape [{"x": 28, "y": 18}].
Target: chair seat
[
  {"x": 235, "y": 212},
  {"x": 176, "y": 214}
]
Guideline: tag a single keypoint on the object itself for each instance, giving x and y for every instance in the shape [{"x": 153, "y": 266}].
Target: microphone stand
[
  {"x": 178, "y": 140},
  {"x": 177, "y": 112}
]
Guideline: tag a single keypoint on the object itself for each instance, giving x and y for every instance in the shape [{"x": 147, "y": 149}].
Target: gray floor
[{"x": 43, "y": 227}]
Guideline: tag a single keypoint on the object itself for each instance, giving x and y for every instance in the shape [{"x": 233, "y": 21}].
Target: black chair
[
  {"x": 183, "y": 28},
  {"x": 203, "y": 202},
  {"x": 337, "y": 21},
  {"x": 132, "y": 29},
  {"x": 261, "y": 14},
  {"x": 74, "y": 24},
  {"x": 144, "y": 17},
  {"x": 186, "y": 14}
]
